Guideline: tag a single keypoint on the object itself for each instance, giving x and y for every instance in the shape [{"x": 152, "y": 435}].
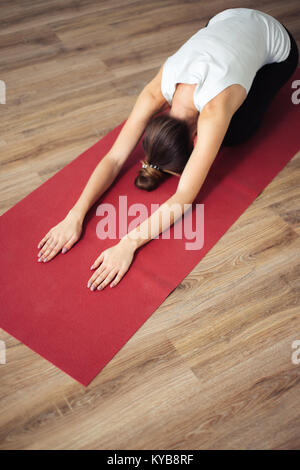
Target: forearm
[
  {"x": 165, "y": 216},
  {"x": 99, "y": 181}
]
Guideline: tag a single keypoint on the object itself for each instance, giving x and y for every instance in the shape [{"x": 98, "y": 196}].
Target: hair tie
[{"x": 145, "y": 165}]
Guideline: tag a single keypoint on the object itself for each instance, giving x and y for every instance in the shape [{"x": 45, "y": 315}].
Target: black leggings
[{"x": 267, "y": 82}]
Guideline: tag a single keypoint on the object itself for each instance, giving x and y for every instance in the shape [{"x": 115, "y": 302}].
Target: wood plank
[{"x": 211, "y": 368}]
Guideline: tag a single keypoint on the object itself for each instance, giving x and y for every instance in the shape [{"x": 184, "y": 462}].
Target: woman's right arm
[{"x": 65, "y": 234}]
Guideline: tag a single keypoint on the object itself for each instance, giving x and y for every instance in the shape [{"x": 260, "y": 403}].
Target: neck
[{"x": 188, "y": 115}]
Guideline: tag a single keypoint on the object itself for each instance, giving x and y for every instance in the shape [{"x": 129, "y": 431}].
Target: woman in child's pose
[{"x": 218, "y": 85}]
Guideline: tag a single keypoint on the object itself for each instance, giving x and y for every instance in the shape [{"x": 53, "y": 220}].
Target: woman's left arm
[{"x": 212, "y": 125}]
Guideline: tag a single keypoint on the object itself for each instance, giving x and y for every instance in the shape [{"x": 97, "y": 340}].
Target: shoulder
[
  {"x": 230, "y": 99},
  {"x": 154, "y": 86}
]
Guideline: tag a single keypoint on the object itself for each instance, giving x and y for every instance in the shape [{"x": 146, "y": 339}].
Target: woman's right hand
[{"x": 61, "y": 237}]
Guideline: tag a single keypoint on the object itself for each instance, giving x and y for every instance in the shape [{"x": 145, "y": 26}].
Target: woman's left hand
[{"x": 111, "y": 265}]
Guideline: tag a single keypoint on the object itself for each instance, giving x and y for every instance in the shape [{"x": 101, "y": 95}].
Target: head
[{"x": 167, "y": 144}]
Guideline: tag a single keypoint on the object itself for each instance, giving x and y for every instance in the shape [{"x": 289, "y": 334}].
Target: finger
[
  {"x": 67, "y": 246},
  {"x": 99, "y": 271},
  {"x": 107, "y": 280},
  {"x": 96, "y": 274},
  {"x": 118, "y": 278},
  {"x": 41, "y": 243},
  {"x": 100, "y": 278},
  {"x": 98, "y": 261},
  {"x": 45, "y": 248},
  {"x": 54, "y": 251},
  {"x": 51, "y": 246}
]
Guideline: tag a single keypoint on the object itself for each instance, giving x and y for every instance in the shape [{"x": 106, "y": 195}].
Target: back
[{"x": 235, "y": 44}]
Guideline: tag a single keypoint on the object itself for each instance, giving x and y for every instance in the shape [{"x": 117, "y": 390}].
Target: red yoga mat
[{"x": 48, "y": 307}]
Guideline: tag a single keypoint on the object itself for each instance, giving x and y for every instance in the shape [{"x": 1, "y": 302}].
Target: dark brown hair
[{"x": 167, "y": 144}]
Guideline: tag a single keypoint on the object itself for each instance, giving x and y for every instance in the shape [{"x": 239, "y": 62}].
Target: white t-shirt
[{"x": 235, "y": 44}]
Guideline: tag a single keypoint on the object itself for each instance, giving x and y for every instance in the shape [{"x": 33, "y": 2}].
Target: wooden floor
[{"x": 212, "y": 367}]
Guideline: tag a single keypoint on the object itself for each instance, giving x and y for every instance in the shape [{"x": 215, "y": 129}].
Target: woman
[{"x": 218, "y": 85}]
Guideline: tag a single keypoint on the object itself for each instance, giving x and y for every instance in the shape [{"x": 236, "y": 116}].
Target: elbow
[{"x": 114, "y": 162}]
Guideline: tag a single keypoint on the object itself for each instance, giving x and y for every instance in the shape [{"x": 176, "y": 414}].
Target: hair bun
[
  {"x": 149, "y": 178},
  {"x": 167, "y": 148}
]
